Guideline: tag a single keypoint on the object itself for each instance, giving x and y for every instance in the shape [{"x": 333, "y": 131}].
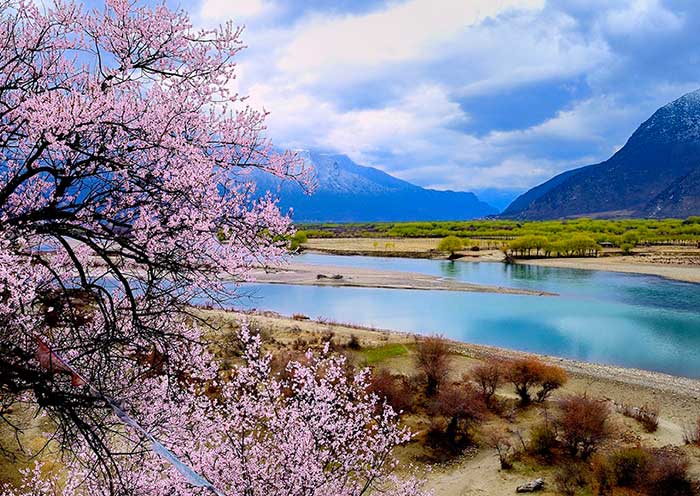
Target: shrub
[
  {"x": 501, "y": 440},
  {"x": 297, "y": 240},
  {"x": 667, "y": 475},
  {"x": 526, "y": 373},
  {"x": 395, "y": 390},
  {"x": 354, "y": 343},
  {"x": 450, "y": 244},
  {"x": 461, "y": 407},
  {"x": 628, "y": 466},
  {"x": 488, "y": 376},
  {"x": 433, "y": 360},
  {"x": 543, "y": 440},
  {"x": 551, "y": 378},
  {"x": 570, "y": 478},
  {"x": 653, "y": 472},
  {"x": 582, "y": 424}
]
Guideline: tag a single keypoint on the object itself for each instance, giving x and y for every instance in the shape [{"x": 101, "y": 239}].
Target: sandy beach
[{"x": 330, "y": 275}]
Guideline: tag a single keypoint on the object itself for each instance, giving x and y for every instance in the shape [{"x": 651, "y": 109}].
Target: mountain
[
  {"x": 656, "y": 174},
  {"x": 348, "y": 192}
]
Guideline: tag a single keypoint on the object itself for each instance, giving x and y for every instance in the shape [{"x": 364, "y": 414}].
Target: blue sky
[{"x": 491, "y": 96}]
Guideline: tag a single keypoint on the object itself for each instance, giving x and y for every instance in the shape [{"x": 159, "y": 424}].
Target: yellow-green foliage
[
  {"x": 297, "y": 240},
  {"x": 493, "y": 233},
  {"x": 450, "y": 244}
]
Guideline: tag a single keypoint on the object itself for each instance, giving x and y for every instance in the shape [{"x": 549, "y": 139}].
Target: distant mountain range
[
  {"x": 348, "y": 192},
  {"x": 656, "y": 174}
]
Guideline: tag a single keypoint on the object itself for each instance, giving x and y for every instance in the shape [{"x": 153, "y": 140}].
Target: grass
[{"x": 376, "y": 355}]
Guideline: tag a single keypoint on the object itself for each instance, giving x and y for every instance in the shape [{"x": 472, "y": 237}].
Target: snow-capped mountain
[
  {"x": 656, "y": 174},
  {"x": 346, "y": 191}
]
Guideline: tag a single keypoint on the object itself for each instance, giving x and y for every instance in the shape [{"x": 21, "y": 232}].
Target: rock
[{"x": 531, "y": 487}]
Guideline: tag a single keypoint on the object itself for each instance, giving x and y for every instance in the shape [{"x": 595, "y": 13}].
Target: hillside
[
  {"x": 656, "y": 174},
  {"x": 346, "y": 191}
]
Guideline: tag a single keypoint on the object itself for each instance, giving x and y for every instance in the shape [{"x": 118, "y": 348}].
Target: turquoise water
[{"x": 623, "y": 319}]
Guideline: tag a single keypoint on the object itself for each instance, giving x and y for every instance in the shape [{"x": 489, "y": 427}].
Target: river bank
[
  {"x": 680, "y": 396},
  {"x": 477, "y": 471}
]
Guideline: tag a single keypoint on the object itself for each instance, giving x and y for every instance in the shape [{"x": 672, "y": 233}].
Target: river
[{"x": 631, "y": 320}]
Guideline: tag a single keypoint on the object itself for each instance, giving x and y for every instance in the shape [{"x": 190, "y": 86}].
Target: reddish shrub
[
  {"x": 653, "y": 472},
  {"x": 394, "y": 389},
  {"x": 583, "y": 424},
  {"x": 551, "y": 378},
  {"x": 487, "y": 376},
  {"x": 527, "y": 373},
  {"x": 462, "y": 408},
  {"x": 667, "y": 475},
  {"x": 433, "y": 360}
]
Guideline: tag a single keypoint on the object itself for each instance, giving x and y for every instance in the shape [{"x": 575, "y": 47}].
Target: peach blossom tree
[{"x": 125, "y": 160}]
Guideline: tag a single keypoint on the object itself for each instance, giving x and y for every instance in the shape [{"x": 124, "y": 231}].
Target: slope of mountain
[
  {"x": 347, "y": 192},
  {"x": 654, "y": 175}
]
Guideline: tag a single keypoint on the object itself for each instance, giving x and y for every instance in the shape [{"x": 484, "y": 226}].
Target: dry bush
[
  {"x": 487, "y": 376},
  {"x": 524, "y": 374},
  {"x": 647, "y": 416},
  {"x": 628, "y": 466},
  {"x": 527, "y": 373},
  {"x": 551, "y": 378},
  {"x": 461, "y": 408},
  {"x": 502, "y": 441},
  {"x": 652, "y": 472},
  {"x": 433, "y": 360},
  {"x": 668, "y": 475},
  {"x": 354, "y": 343},
  {"x": 691, "y": 433},
  {"x": 396, "y": 390},
  {"x": 582, "y": 423},
  {"x": 543, "y": 440},
  {"x": 570, "y": 479}
]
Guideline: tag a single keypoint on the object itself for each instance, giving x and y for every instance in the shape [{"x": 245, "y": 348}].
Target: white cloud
[
  {"x": 236, "y": 10},
  {"x": 402, "y": 32},
  {"x": 639, "y": 17}
]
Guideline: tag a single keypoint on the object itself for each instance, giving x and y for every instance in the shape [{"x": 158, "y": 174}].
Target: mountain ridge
[
  {"x": 349, "y": 192},
  {"x": 637, "y": 181}
]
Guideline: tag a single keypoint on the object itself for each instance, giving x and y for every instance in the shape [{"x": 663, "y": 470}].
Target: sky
[{"x": 490, "y": 96}]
